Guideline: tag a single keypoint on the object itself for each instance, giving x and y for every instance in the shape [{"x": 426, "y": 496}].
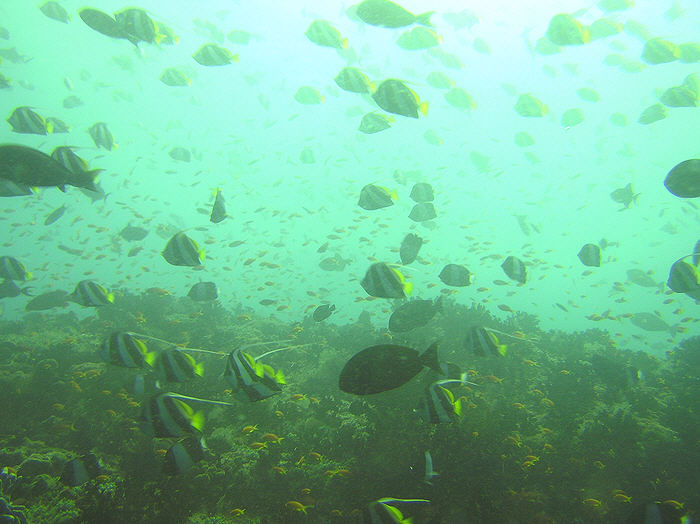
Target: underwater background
[{"x": 538, "y": 135}]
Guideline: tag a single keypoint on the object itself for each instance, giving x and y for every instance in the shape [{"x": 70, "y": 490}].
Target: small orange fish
[
  {"x": 296, "y": 506},
  {"x": 249, "y": 429}
]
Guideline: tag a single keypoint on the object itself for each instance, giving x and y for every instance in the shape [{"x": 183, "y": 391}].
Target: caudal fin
[
  {"x": 86, "y": 179},
  {"x": 424, "y": 19},
  {"x": 430, "y": 358}
]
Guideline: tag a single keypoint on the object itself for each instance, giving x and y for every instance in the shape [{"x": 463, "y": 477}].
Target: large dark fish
[
  {"x": 105, "y": 24},
  {"x": 413, "y": 314},
  {"x": 684, "y": 180},
  {"x": 48, "y": 300},
  {"x": 385, "y": 367},
  {"x": 25, "y": 165}
]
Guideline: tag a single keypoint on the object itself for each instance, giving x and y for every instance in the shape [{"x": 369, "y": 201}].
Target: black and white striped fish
[{"x": 259, "y": 381}]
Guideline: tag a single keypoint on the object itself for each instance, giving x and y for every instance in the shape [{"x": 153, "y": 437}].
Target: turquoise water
[{"x": 246, "y": 133}]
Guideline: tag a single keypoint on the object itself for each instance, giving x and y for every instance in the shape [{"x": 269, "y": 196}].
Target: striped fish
[
  {"x": 102, "y": 136},
  {"x": 324, "y": 34},
  {"x": 126, "y": 350},
  {"x": 385, "y": 282},
  {"x": 181, "y": 250},
  {"x": 8, "y": 188},
  {"x": 24, "y": 120},
  {"x": 684, "y": 277},
  {"x": 89, "y": 293},
  {"x": 484, "y": 343},
  {"x": 174, "y": 365},
  {"x": 137, "y": 23},
  {"x": 396, "y": 97},
  {"x": 167, "y": 415},
  {"x": 258, "y": 381},
  {"x": 439, "y": 404},
  {"x": 65, "y": 156},
  {"x": 13, "y": 269},
  {"x": 214, "y": 55}
]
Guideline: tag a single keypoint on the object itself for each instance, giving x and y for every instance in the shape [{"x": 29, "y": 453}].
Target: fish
[
  {"x": 375, "y": 197},
  {"x": 422, "y": 212},
  {"x": 418, "y": 38},
  {"x": 102, "y": 136},
  {"x": 564, "y": 30},
  {"x": 625, "y": 196},
  {"x": 483, "y": 342},
  {"x": 257, "y": 380},
  {"x": 393, "y": 96},
  {"x": 439, "y": 80},
  {"x": 455, "y": 275},
  {"x": 653, "y": 113},
  {"x": 72, "y": 101},
  {"x": 13, "y": 269},
  {"x": 651, "y": 322},
  {"x": 79, "y": 470},
  {"x": 212, "y": 55},
  {"x": 384, "y": 13},
  {"x": 183, "y": 455},
  {"x": 56, "y": 125},
  {"x": 54, "y": 215},
  {"x": 218, "y": 209},
  {"x": 460, "y": 99},
  {"x": 659, "y": 51},
  {"x": 374, "y": 122},
  {"x": 13, "y": 56},
  {"x": 8, "y": 188},
  {"x": 515, "y": 269},
  {"x": 334, "y": 263},
  {"x": 238, "y": 36},
  {"x": 383, "y": 281},
  {"x": 571, "y": 117},
  {"x": 24, "y": 120},
  {"x": 639, "y": 277},
  {"x": 324, "y": 34},
  {"x": 89, "y": 293},
  {"x": 181, "y": 250},
  {"x": 48, "y": 300},
  {"x": 589, "y": 255},
  {"x": 173, "y": 77},
  {"x": 683, "y": 180},
  {"x": 174, "y": 365},
  {"x": 8, "y": 289},
  {"x": 658, "y": 513},
  {"x": 422, "y": 192},
  {"x": 203, "y": 292},
  {"x": 308, "y": 96},
  {"x": 180, "y": 154},
  {"x": 323, "y": 311},
  {"x": 410, "y": 246},
  {"x": 55, "y": 11},
  {"x": 678, "y": 96},
  {"x": 169, "y": 415},
  {"x": 127, "y": 350},
  {"x": 139, "y": 25},
  {"x": 413, "y": 314},
  {"x": 530, "y": 107},
  {"x": 104, "y": 24},
  {"x": 381, "y": 368},
  {"x": 133, "y": 233},
  {"x": 145, "y": 384},
  {"x": 683, "y": 276},
  {"x": 382, "y": 512},
  {"x": 439, "y": 405},
  {"x": 353, "y": 80},
  {"x": 430, "y": 473}
]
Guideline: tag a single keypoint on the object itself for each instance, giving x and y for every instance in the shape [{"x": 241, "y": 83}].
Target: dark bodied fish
[
  {"x": 8, "y": 289},
  {"x": 684, "y": 179},
  {"x": 138, "y": 24},
  {"x": 105, "y": 24},
  {"x": 218, "y": 210},
  {"x": 48, "y": 300},
  {"x": 24, "y": 120},
  {"x": 102, "y": 136},
  {"x": 183, "y": 455},
  {"x": 422, "y": 211},
  {"x": 8, "y": 188},
  {"x": 212, "y": 55},
  {"x": 589, "y": 255},
  {"x": 385, "y": 367},
  {"x": 383, "y": 512},
  {"x": 515, "y": 269},
  {"x": 169, "y": 415},
  {"x": 31, "y": 167},
  {"x": 334, "y": 263},
  {"x": 413, "y": 314},
  {"x": 133, "y": 233},
  {"x": 410, "y": 246},
  {"x": 323, "y": 311},
  {"x": 483, "y": 342},
  {"x": 384, "y": 13},
  {"x": 455, "y": 275},
  {"x": 78, "y": 471},
  {"x": 13, "y": 269},
  {"x": 55, "y": 11},
  {"x": 396, "y": 97},
  {"x": 257, "y": 380},
  {"x": 203, "y": 292},
  {"x": 422, "y": 192},
  {"x": 374, "y": 122},
  {"x": 54, "y": 215},
  {"x": 438, "y": 405},
  {"x": 375, "y": 197},
  {"x": 625, "y": 196},
  {"x": 174, "y": 365}
]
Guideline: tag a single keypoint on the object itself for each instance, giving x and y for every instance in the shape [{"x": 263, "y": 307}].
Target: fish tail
[
  {"x": 430, "y": 358},
  {"x": 423, "y": 108},
  {"x": 86, "y": 179},
  {"x": 424, "y": 19}
]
